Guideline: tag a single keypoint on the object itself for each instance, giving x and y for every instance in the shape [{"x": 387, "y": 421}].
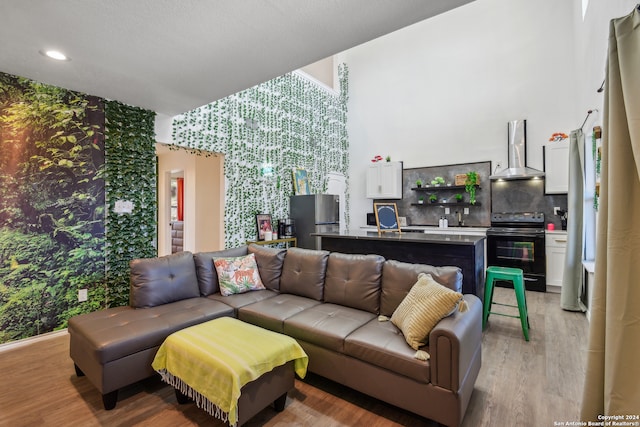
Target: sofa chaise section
[{"x": 115, "y": 347}]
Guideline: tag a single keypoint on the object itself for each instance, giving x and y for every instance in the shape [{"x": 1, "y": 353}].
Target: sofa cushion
[
  {"x": 354, "y": 281},
  {"x": 272, "y": 312},
  {"x": 398, "y": 278},
  {"x": 424, "y": 306},
  {"x": 118, "y": 332},
  {"x": 303, "y": 273},
  {"x": 157, "y": 281},
  {"x": 382, "y": 344},
  {"x": 238, "y": 275},
  {"x": 270, "y": 261},
  {"x": 326, "y": 325},
  {"x": 240, "y": 300},
  {"x": 207, "y": 275}
]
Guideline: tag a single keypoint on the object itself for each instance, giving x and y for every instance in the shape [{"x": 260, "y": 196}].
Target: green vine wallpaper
[
  {"x": 284, "y": 123},
  {"x": 130, "y": 176}
]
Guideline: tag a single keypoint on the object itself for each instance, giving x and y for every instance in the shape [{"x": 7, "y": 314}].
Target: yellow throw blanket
[{"x": 212, "y": 361}]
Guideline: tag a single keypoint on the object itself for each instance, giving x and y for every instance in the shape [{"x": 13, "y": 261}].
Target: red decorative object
[
  {"x": 558, "y": 136},
  {"x": 180, "y": 182},
  {"x": 376, "y": 159}
]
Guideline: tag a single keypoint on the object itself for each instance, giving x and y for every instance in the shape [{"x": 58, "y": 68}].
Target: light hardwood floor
[{"x": 520, "y": 384}]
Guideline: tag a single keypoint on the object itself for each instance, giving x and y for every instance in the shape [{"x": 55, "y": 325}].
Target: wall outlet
[
  {"x": 556, "y": 209},
  {"x": 82, "y": 295},
  {"x": 447, "y": 211},
  {"x": 466, "y": 211}
]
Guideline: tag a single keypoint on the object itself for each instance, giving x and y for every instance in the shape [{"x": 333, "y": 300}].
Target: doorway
[
  {"x": 176, "y": 185},
  {"x": 198, "y": 216}
]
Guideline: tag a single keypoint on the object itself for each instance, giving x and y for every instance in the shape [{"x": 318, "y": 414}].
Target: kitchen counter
[
  {"x": 464, "y": 251},
  {"x": 476, "y": 231},
  {"x": 443, "y": 238}
]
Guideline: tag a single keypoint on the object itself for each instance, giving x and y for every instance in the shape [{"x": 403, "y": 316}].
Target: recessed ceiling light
[{"x": 55, "y": 54}]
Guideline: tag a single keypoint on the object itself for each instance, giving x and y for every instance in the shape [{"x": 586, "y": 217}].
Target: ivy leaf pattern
[{"x": 287, "y": 122}]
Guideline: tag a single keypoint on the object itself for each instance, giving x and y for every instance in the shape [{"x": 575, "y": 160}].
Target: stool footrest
[
  {"x": 504, "y": 314},
  {"x": 503, "y": 304}
]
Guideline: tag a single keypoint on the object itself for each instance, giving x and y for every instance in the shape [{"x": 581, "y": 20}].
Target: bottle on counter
[
  {"x": 441, "y": 222},
  {"x": 445, "y": 222}
]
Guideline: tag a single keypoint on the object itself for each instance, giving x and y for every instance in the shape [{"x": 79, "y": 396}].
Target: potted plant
[
  {"x": 437, "y": 181},
  {"x": 421, "y": 200},
  {"x": 419, "y": 183},
  {"x": 433, "y": 198},
  {"x": 470, "y": 186},
  {"x": 388, "y": 158},
  {"x": 458, "y": 197}
]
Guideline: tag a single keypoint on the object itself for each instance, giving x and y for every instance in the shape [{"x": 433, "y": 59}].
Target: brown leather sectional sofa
[{"x": 328, "y": 302}]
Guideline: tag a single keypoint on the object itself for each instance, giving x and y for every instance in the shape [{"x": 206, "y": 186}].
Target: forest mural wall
[
  {"x": 52, "y": 203},
  {"x": 287, "y": 122}
]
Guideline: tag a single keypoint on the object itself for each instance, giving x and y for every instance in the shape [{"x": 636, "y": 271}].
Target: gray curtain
[
  {"x": 572, "y": 279},
  {"x": 612, "y": 382}
]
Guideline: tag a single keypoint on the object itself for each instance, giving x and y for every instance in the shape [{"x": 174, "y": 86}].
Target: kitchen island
[{"x": 464, "y": 251}]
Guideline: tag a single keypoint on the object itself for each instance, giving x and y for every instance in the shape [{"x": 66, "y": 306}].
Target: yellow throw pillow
[{"x": 426, "y": 303}]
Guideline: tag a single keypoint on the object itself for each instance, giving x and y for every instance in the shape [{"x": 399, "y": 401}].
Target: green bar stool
[{"x": 515, "y": 276}]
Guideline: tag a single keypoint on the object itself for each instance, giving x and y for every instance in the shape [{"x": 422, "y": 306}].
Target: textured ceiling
[{"x": 171, "y": 56}]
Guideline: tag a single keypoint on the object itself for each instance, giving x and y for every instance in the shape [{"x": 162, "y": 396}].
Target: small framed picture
[
  {"x": 300, "y": 182},
  {"x": 263, "y": 222}
]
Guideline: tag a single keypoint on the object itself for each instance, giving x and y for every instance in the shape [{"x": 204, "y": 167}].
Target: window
[{"x": 589, "y": 205}]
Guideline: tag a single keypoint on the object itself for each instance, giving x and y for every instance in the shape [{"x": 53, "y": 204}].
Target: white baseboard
[
  {"x": 555, "y": 289},
  {"x": 25, "y": 341}
]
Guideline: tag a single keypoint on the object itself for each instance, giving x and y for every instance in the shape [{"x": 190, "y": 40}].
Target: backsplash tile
[{"x": 526, "y": 195}]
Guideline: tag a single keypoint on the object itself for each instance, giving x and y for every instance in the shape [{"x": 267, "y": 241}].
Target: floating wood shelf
[
  {"x": 464, "y": 204},
  {"x": 440, "y": 187}
]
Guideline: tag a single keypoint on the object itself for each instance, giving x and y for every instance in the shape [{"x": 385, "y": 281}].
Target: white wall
[
  {"x": 592, "y": 37},
  {"x": 322, "y": 71},
  {"x": 442, "y": 91},
  {"x": 209, "y": 203},
  {"x": 163, "y": 127}
]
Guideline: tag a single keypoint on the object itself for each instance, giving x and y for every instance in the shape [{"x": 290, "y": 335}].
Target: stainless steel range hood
[{"x": 517, "y": 146}]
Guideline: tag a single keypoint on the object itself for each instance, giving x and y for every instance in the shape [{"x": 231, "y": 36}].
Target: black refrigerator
[{"x": 314, "y": 213}]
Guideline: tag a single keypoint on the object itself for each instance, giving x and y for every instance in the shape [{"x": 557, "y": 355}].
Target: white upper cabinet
[
  {"x": 384, "y": 180},
  {"x": 556, "y": 167}
]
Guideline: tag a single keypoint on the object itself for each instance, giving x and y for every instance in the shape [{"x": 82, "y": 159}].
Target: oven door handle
[{"x": 520, "y": 236}]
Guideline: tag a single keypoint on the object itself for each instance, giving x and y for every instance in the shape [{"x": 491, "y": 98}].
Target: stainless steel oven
[{"x": 516, "y": 239}]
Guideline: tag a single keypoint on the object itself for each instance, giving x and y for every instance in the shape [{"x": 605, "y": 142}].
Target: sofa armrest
[{"x": 455, "y": 345}]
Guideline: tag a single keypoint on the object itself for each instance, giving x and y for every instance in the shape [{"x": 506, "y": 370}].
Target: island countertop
[
  {"x": 442, "y": 238},
  {"x": 465, "y": 251}
]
